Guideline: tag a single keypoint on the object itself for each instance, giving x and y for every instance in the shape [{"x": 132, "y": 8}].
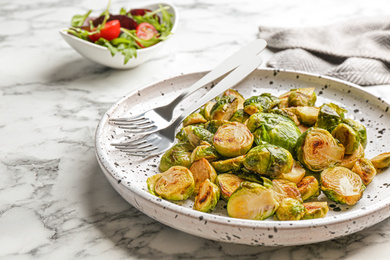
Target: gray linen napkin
[{"x": 357, "y": 51}]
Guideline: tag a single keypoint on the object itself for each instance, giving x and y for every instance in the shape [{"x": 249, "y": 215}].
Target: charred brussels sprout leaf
[
  {"x": 252, "y": 201},
  {"x": 224, "y": 108},
  {"x": 239, "y": 116},
  {"x": 315, "y": 210},
  {"x": 359, "y": 128},
  {"x": 262, "y": 103},
  {"x": 316, "y": 149},
  {"x": 350, "y": 159},
  {"x": 229, "y": 165},
  {"x": 176, "y": 183},
  {"x": 233, "y": 139},
  {"x": 347, "y": 136},
  {"x": 195, "y": 135},
  {"x": 381, "y": 161},
  {"x": 308, "y": 188},
  {"x": 274, "y": 129},
  {"x": 365, "y": 169},
  {"x": 290, "y": 209},
  {"x": 253, "y": 177},
  {"x": 207, "y": 198},
  {"x": 329, "y": 116},
  {"x": 178, "y": 155},
  {"x": 194, "y": 118},
  {"x": 342, "y": 185},
  {"x": 288, "y": 112},
  {"x": 228, "y": 183},
  {"x": 270, "y": 160},
  {"x": 202, "y": 170}
]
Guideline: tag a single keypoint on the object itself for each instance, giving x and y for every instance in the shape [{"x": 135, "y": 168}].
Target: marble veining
[{"x": 55, "y": 202}]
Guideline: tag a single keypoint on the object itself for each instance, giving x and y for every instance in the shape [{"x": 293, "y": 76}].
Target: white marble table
[{"x": 55, "y": 202}]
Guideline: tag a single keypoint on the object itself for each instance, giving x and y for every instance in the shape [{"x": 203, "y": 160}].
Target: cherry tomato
[
  {"x": 110, "y": 31},
  {"x": 145, "y": 31}
]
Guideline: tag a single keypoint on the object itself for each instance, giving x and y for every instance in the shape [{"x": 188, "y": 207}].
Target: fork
[
  {"x": 160, "y": 141},
  {"x": 158, "y": 118}
]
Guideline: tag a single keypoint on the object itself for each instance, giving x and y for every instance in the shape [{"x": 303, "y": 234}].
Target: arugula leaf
[{"x": 79, "y": 19}]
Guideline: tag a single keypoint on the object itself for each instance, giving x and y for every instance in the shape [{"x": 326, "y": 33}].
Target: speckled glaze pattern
[{"x": 128, "y": 174}]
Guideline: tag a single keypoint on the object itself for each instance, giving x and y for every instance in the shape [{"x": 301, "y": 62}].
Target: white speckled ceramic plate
[{"x": 128, "y": 174}]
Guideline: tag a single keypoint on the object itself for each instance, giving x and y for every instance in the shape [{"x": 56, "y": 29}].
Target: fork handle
[
  {"x": 222, "y": 69},
  {"x": 235, "y": 77}
]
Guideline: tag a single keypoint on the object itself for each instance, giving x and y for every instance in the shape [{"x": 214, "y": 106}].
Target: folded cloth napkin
[{"x": 357, "y": 51}]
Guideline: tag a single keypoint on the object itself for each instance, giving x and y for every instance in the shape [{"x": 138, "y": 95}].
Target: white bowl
[{"x": 102, "y": 55}]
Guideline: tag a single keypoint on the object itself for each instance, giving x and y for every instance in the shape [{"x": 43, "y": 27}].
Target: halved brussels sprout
[
  {"x": 316, "y": 149},
  {"x": 307, "y": 115},
  {"x": 176, "y": 183},
  {"x": 270, "y": 160},
  {"x": 228, "y": 183},
  {"x": 285, "y": 189},
  {"x": 308, "y": 188},
  {"x": 233, "y": 139},
  {"x": 298, "y": 97},
  {"x": 315, "y": 210},
  {"x": 239, "y": 116},
  {"x": 151, "y": 182},
  {"x": 213, "y": 125},
  {"x": 350, "y": 159},
  {"x": 359, "y": 128},
  {"x": 365, "y": 169},
  {"x": 224, "y": 108},
  {"x": 290, "y": 209},
  {"x": 178, "y": 155},
  {"x": 342, "y": 185},
  {"x": 296, "y": 174},
  {"x": 274, "y": 129},
  {"x": 381, "y": 161},
  {"x": 252, "y": 201},
  {"x": 205, "y": 111},
  {"x": 204, "y": 150},
  {"x": 329, "y": 116},
  {"x": 347, "y": 136},
  {"x": 202, "y": 170},
  {"x": 262, "y": 103},
  {"x": 207, "y": 198},
  {"x": 194, "y": 118},
  {"x": 229, "y": 165},
  {"x": 241, "y": 99},
  {"x": 195, "y": 135}
]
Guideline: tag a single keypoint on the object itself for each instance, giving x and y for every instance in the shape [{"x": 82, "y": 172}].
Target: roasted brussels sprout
[
  {"x": 204, "y": 150},
  {"x": 308, "y": 188},
  {"x": 270, "y": 160},
  {"x": 253, "y": 177},
  {"x": 359, "y": 128},
  {"x": 176, "y": 183},
  {"x": 195, "y": 135},
  {"x": 296, "y": 174},
  {"x": 205, "y": 111},
  {"x": 229, "y": 165},
  {"x": 228, "y": 183},
  {"x": 233, "y": 139},
  {"x": 307, "y": 115},
  {"x": 178, "y": 155},
  {"x": 262, "y": 103},
  {"x": 347, "y": 136},
  {"x": 213, "y": 125},
  {"x": 224, "y": 108},
  {"x": 298, "y": 97},
  {"x": 151, "y": 182},
  {"x": 202, "y": 170},
  {"x": 381, "y": 161},
  {"x": 316, "y": 149},
  {"x": 252, "y": 201},
  {"x": 315, "y": 210},
  {"x": 329, "y": 116},
  {"x": 365, "y": 169},
  {"x": 274, "y": 129},
  {"x": 288, "y": 112},
  {"x": 290, "y": 209},
  {"x": 207, "y": 198},
  {"x": 194, "y": 118},
  {"x": 240, "y": 98},
  {"x": 285, "y": 189},
  {"x": 303, "y": 128},
  {"x": 239, "y": 116},
  {"x": 350, "y": 159},
  {"x": 342, "y": 185}
]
